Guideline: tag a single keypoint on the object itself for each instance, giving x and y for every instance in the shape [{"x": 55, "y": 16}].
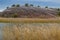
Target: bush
[
  {"x": 58, "y": 13},
  {"x": 7, "y": 7},
  {"x": 26, "y": 5},
  {"x": 31, "y": 5},
  {"x": 17, "y": 5},
  {"x": 46, "y": 7},
  {"x": 15, "y": 15},
  {"x": 38, "y": 6},
  {"x": 13, "y": 5},
  {"x": 58, "y": 9}
]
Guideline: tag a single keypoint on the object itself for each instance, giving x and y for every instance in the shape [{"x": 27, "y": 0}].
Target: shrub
[
  {"x": 17, "y": 5},
  {"x": 13, "y": 5},
  {"x": 38, "y": 6},
  {"x": 15, "y": 15},
  {"x": 26, "y": 5},
  {"x": 46, "y": 7},
  {"x": 31, "y": 5},
  {"x": 7, "y": 7},
  {"x": 58, "y": 13},
  {"x": 58, "y": 9}
]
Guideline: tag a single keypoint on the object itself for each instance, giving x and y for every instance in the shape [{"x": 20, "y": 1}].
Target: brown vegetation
[
  {"x": 28, "y": 32},
  {"x": 29, "y": 20}
]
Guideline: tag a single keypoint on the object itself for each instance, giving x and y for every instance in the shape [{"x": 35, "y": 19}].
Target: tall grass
[
  {"x": 29, "y": 20},
  {"x": 29, "y": 32}
]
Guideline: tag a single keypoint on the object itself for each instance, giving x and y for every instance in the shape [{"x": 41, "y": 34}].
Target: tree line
[{"x": 26, "y": 5}]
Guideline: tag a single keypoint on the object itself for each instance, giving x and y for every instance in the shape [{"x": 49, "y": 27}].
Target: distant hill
[{"x": 29, "y": 12}]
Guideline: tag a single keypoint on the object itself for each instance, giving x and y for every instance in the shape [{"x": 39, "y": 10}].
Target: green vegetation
[
  {"x": 7, "y": 7},
  {"x": 31, "y": 5},
  {"x": 58, "y": 13},
  {"x": 15, "y": 15},
  {"x": 58, "y": 9},
  {"x": 46, "y": 7},
  {"x": 13, "y": 5},
  {"x": 26, "y": 4},
  {"x": 38, "y": 6},
  {"x": 17, "y": 5}
]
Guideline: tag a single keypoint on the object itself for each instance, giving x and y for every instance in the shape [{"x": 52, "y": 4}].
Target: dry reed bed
[
  {"x": 29, "y": 20},
  {"x": 29, "y": 32}
]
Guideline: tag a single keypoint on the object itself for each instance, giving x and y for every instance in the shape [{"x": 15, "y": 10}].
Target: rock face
[{"x": 29, "y": 12}]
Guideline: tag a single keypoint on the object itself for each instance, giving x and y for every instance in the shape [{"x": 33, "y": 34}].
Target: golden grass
[
  {"x": 31, "y": 33},
  {"x": 29, "y": 20}
]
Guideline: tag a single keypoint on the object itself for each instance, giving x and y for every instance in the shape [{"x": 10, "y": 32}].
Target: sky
[{"x": 42, "y": 3}]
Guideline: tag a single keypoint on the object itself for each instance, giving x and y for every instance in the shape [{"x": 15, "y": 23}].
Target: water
[
  {"x": 26, "y": 24},
  {"x": 1, "y": 27}
]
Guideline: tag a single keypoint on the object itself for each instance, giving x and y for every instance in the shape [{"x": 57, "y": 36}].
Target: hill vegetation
[{"x": 29, "y": 11}]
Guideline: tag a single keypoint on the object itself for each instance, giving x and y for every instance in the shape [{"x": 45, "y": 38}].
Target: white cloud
[{"x": 1, "y": 10}]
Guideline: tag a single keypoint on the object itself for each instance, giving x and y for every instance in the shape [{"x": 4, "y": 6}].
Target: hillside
[{"x": 29, "y": 12}]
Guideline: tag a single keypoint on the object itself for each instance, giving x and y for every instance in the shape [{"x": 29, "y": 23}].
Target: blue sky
[{"x": 50, "y": 3}]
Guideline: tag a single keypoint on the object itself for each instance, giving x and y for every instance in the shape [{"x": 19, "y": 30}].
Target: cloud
[
  {"x": 57, "y": 1},
  {"x": 1, "y": 10}
]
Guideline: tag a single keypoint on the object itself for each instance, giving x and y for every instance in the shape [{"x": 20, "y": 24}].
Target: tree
[
  {"x": 17, "y": 5},
  {"x": 13, "y": 5},
  {"x": 7, "y": 7},
  {"x": 58, "y": 9},
  {"x": 46, "y": 7},
  {"x": 38, "y": 6},
  {"x": 58, "y": 13},
  {"x": 26, "y": 5},
  {"x": 31, "y": 5}
]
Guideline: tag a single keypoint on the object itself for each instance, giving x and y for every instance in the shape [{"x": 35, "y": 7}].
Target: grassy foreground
[
  {"x": 28, "y": 32},
  {"x": 29, "y": 20}
]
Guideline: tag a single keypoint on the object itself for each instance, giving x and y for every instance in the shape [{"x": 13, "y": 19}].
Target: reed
[
  {"x": 29, "y": 20},
  {"x": 29, "y": 32}
]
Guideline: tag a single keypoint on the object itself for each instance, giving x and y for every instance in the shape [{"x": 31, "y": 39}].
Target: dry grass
[
  {"x": 29, "y": 20},
  {"x": 31, "y": 33}
]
